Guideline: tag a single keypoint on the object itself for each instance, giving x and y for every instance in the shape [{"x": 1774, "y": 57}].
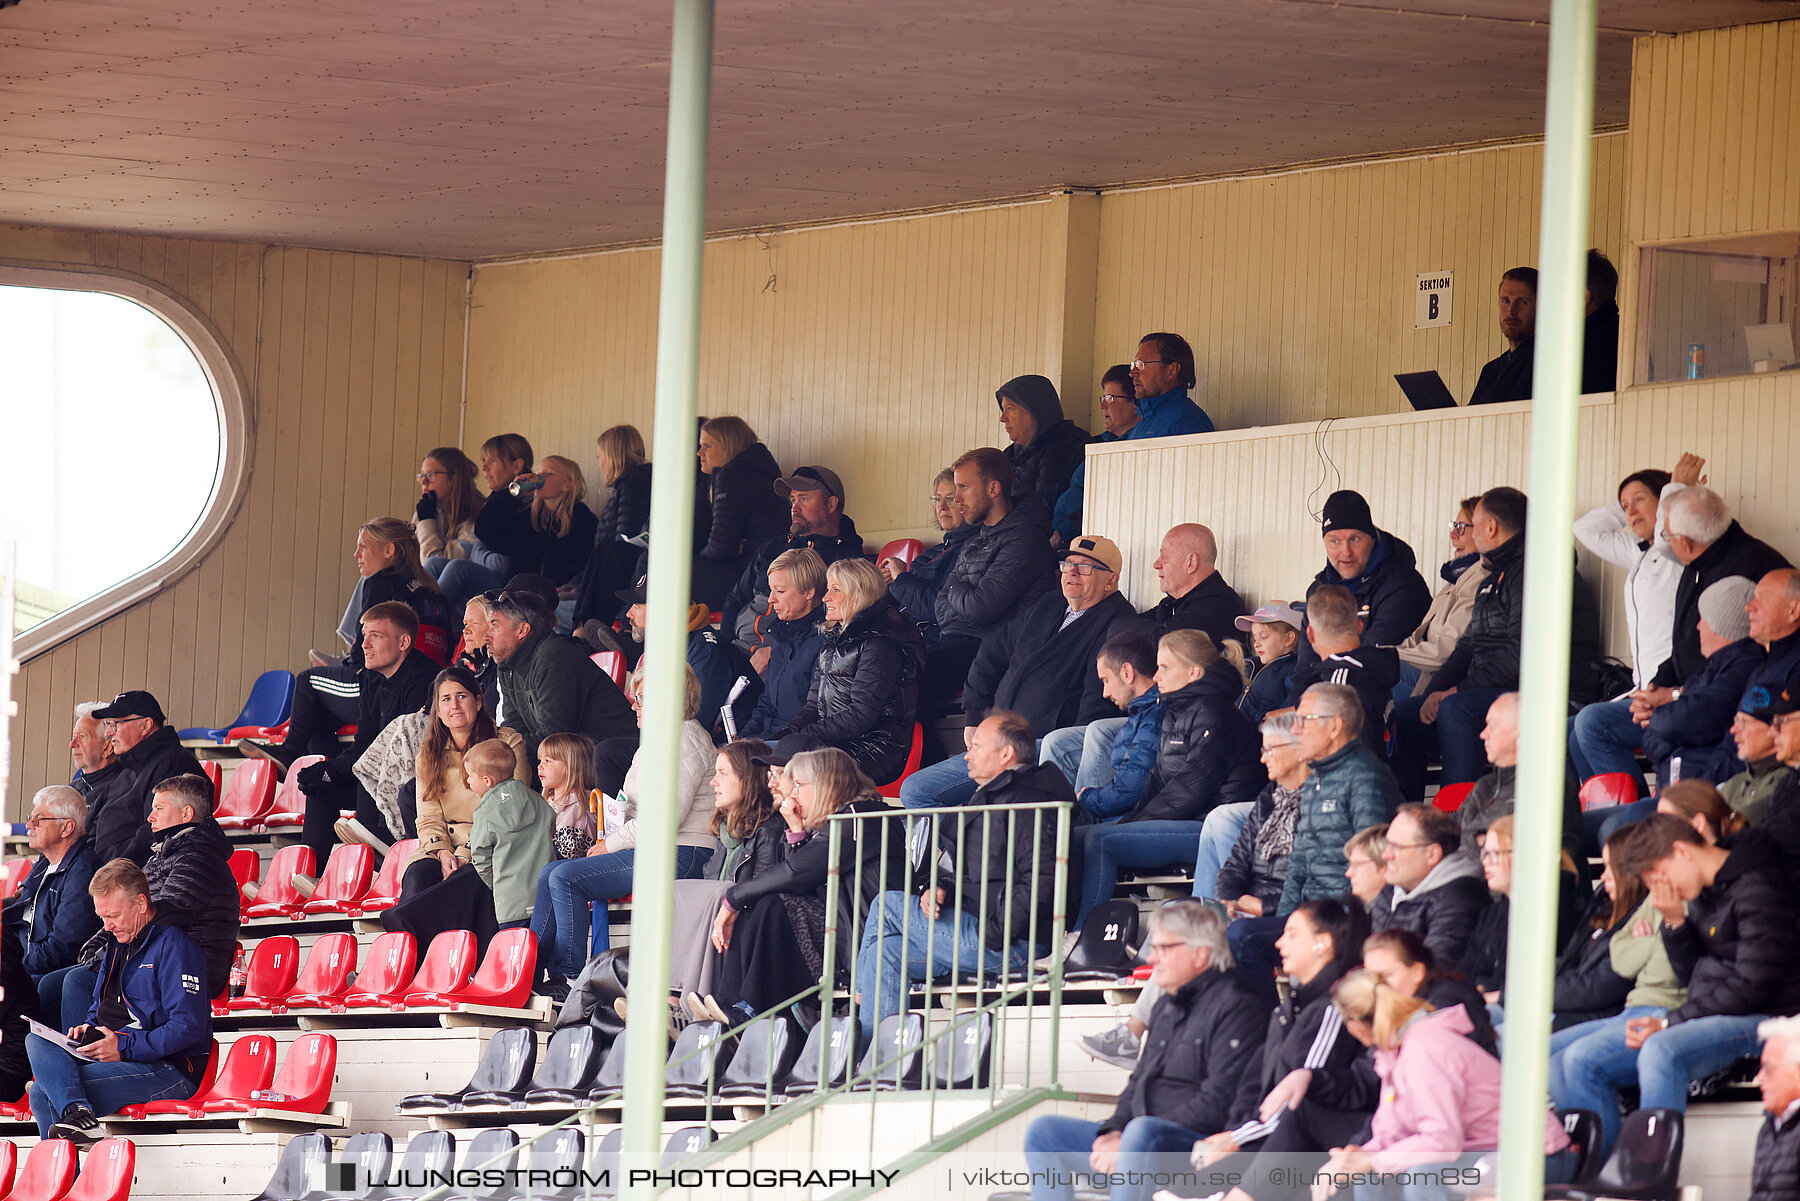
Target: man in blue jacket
[
  {"x": 52, "y": 908},
  {"x": 149, "y": 1030}
]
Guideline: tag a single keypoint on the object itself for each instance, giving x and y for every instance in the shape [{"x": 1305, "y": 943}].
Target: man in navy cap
[
  {"x": 815, "y": 497},
  {"x": 149, "y": 751}
]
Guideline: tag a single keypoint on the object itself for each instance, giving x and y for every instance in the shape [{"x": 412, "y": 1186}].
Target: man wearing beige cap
[{"x": 1040, "y": 665}]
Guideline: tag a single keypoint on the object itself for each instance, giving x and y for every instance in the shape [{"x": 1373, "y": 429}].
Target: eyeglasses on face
[
  {"x": 1108, "y": 400},
  {"x": 1458, "y": 527},
  {"x": 1070, "y": 566},
  {"x": 1140, "y": 364},
  {"x": 426, "y": 476}
]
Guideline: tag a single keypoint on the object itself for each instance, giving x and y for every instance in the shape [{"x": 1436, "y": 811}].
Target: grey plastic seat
[
  {"x": 901, "y": 1034},
  {"x": 488, "y": 1144},
  {"x": 502, "y": 1074},
  {"x": 962, "y": 1056},
  {"x": 567, "y": 1072},
  {"x": 765, "y": 1053},
  {"x": 803, "y": 1077},
  {"x": 694, "y": 1060},
  {"x": 430, "y": 1156},
  {"x": 301, "y": 1160}
]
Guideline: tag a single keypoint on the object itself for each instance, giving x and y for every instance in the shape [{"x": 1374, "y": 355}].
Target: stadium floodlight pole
[
  {"x": 1549, "y": 585},
  {"x": 671, "y": 516}
]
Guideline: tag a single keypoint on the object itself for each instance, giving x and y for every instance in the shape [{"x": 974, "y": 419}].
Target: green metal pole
[
  {"x": 671, "y": 517},
  {"x": 1549, "y": 581}
]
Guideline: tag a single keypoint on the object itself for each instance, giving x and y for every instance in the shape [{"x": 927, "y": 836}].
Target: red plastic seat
[
  {"x": 214, "y": 772},
  {"x": 106, "y": 1172},
  {"x": 289, "y": 808},
  {"x": 612, "y": 663},
  {"x": 248, "y": 1065},
  {"x": 9, "y": 1164},
  {"x": 1609, "y": 789},
  {"x": 384, "y": 982},
  {"x": 326, "y": 977},
  {"x": 279, "y": 897},
  {"x": 913, "y": 758},
  {"x": 13, "y": 874},
  {"x": 248, "y": 796},
  {"x": 348, "y": 731},
  {"x": 258, "y": 733},
  {"x": 49, "y": 1171},
  {"x": 246, "y": 867},
  {"x": 303, "y": 1084},
  {"x": 346, "y": 878},
  {"x": 17, "y": 1111},
  {"x": 207, "y": 1075},
  {"x": 384, "y": 893},
  {"x": 903, "y": 549},
  {"x": 448, "y": 964},
  {"x": 269, "y": 978},
  {"x": 1450, "y": 797},
  {"x": 504, "y": 978}
]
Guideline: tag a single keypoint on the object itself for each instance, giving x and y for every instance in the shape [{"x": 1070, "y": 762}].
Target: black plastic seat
[
  {"x": 1108, "y": 943},
  {"x": 899, "y": 1034},
  {"x": 303, "y": 1157},
  {"x": 561, "y": 1152},
  {"x": 567, "y": 1072},
  {"x": 1643, "y": 1165},
  {"x": 488, "y": 1144},
  {"x": 765, "y": 1053},
  {"x": 370, "y": 1155},
  {"x": 611, "y": 1077},
  {"x": 504, "y": 1069},
  {"x": 1583, "y": 1128},
  {"x": 685, "y": 1142},
  {"x": 963, "y": 1054},
  {"x": 803, "y": 1077},
  {"x": 430, "y": 1157},
  {"x": 604, "y": 1162},
  {"x": 694, "y": 1060}
]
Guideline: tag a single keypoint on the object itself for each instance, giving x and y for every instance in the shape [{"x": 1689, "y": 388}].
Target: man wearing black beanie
[{"x": 1379, "y": 570}]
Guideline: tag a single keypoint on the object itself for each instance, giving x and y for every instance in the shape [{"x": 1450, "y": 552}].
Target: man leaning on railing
[{"x": 981, "y": 915}]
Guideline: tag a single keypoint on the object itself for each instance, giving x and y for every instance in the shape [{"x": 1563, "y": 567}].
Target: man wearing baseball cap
[
  {"x": 1040, "y": 665},
  {"x": 1783, "y": 822},
  {"x": 1750, "y": 791},
  {"x": 149, "y": 751},
  {"x": 815, "y": 499}
]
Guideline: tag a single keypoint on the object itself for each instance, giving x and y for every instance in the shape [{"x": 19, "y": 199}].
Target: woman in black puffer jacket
[
  {"x": 619, "y": 450},
  {"x": 865, "y": 689},
  {"x": 1209, "y": 756},
  {"x": 745, "y": 510}
]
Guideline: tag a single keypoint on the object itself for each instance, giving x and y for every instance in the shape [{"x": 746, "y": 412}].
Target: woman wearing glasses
[
  {"x": 915, "y": 588},
  {"x": 444, "y": 518},
  {"x": 1426, "y": 648},
  {"x": 1118, "y": 416}
]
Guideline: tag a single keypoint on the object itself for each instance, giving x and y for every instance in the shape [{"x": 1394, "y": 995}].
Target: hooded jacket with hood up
[
  {"x": 1348, "y": 790},
  {"x": 1000, "y": 570},
  {"x": 1043, "y": 466},
  {"x": 1390, "y": 593},
  {"x": 1441, "y": 909},
  {"x": 510, "y": 844},
  {"x": 1440, "y": 1097},
  {"x": 1209, "y": 754}
]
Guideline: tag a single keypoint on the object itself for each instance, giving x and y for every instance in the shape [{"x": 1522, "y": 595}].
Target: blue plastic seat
[{"x": 271, "y": 697}]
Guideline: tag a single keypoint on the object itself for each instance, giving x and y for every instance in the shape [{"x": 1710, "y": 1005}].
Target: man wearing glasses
[
  {"x": 52, "y": 908},
  {"x": 1350, "y": 789},
  {"x": 149, "y": 751}
]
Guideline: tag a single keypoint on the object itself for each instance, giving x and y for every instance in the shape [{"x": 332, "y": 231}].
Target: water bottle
[{"x": 526, "y": 484}]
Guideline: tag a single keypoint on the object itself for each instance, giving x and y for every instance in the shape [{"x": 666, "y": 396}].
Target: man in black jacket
[
  {"x": 52, "y": 908},
  {"x": 1711, "y": 546},
  {"x": 149, "y": 751},
  {"x": 1204, "y": 1033},
  {"x": 1434, "y": 887},
  {"x": 1195, "y": 595},
  {"x": 549, "y": 684},
  {"x": 1775, "y": 1173},
  {"x": 941, "y": 929},
  {"x": 396, "y": 678},
  {"x": 1729, "y": 932},
  {"x": 1041, "y": 664},
  {"x": 1379, "y": 569},
  {"x": 815, "y": 499},
  {"x": 1508, "y": 376}
]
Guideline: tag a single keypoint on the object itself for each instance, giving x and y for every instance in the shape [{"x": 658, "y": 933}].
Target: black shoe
[{"x": 77, "y": 1124}]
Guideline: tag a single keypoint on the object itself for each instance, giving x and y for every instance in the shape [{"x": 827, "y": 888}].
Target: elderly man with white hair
[
  {"x": 52, "y": 909},
  {"x": 1775, "y": 1173},
  {"x": 1711, "y": 546}
]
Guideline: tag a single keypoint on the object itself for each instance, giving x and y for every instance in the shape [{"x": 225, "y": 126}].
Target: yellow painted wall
[{"x": 352, "y": 366}]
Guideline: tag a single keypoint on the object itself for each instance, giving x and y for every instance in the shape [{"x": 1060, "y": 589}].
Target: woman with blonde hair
[
  {"x": 770, "y": 931},
  {"x": 625, "y": 471},
  {"x": 746, "y": 512},
  {"x": 1484, "y": 957},
  {"x": 1209, "y": 755},
  {"x": 445, "y": 515},
  {"x": 864, "y": 694}
]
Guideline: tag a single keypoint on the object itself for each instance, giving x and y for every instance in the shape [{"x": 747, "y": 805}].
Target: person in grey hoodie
[
  {"x": 1435, "y": 888},
  {"x": 1046, "y": 446}
]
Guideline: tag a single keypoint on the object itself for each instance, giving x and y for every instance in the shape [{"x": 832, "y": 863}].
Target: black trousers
[
  {"x": 323, "y": 807},
  {"x": 325, "y": 700},
  {"x": 612, "y": 759},
  {"x": 1276, "y": 1168},
  {"x": 431, "y": 903}
]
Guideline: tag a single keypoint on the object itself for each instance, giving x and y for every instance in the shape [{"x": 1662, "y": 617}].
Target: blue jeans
[
  {"x": 564, "y": 889},
  {"x": 1252, "y": 943},
  {"x": 66, "y": 995},
  {"x": 59, "y": 1080},
  {"x": 1103, "y": 850},
  {"x": 464, "y": 579},
  {"x": 1597, "y": 825},
  {"x": 1455, "y": 739},
  {"x": 1218, "y": 834},
  {"x": 1590, "y": 1068},
  {"x": 933, "y": 946},
  {"x": 1409, "y": 680},
  {"x": 1602, "y": 738},
  {"x": 1059, "y": 1144},
  {"x": 1084, "y": 753},
  {"x": 940, "y": 786}
]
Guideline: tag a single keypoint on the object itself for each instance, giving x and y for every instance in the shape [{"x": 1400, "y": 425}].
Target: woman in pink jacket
[{"x": 1440, "y": 1098}]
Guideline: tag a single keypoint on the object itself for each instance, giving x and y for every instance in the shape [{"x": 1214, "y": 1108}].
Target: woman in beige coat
[{"x": 1425, "y": 650}]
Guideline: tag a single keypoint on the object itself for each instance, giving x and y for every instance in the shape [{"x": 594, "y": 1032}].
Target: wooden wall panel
[{"x": 352, "y": 367}]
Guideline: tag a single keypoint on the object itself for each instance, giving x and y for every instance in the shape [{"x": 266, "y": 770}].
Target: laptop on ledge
[{"x": 1426, "y": 390}]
